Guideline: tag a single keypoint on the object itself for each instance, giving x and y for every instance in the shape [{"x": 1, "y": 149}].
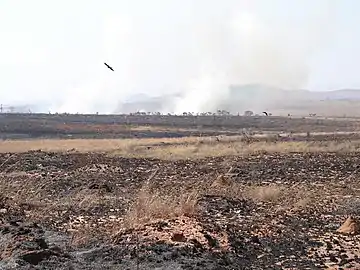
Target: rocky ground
[{"x": 92, "y": 211}]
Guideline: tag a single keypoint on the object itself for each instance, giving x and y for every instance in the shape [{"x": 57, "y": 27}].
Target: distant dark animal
[
  {"x": 265, "y": 113},
  {"x": 109, "y": 67}
]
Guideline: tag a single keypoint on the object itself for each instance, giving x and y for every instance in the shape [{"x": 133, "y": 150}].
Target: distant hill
[
  {"x": 342, "y": 94},
  {"x": 251, "y": 91},
  {"x": 260, "y": 97},
  {"x": 240, "y": 98}
]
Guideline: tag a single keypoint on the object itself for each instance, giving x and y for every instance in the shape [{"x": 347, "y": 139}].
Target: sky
[{"x": 52, "y": 52}]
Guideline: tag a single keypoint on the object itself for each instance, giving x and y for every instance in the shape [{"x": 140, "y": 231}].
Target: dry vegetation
[
  {"x": 193, "y": 198},
  {"x": 181, "y": 148}
]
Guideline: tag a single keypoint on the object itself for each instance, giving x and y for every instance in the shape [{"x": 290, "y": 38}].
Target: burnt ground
[
  {"x": 31, "y": 126},
  {"x": 92, "y": 211}
]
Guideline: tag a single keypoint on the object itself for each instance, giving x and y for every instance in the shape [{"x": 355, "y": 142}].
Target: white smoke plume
[
  {"x": 243, "y": 51},
  {"x": 101, "y": 90},
  {"x": 199, "y": 58}
]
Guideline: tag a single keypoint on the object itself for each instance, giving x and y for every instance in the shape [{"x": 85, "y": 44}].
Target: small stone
[
  {"x": 3, "y": 211},
  {"x": 333, "y": 258},
  {"x": 336, "y": 242},
  {"x": 328, "y": 246},
  {"x": 178, "y": 237},
  {"x": 255, "y": 239}
]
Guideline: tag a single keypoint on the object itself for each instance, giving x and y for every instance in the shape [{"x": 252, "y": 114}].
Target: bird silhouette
[
  {"x": 109, "y": 67},
  {"x": 265, "y": 113}
]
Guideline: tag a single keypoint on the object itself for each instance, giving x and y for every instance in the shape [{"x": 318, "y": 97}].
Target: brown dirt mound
[{"x": 180, "y": 231}]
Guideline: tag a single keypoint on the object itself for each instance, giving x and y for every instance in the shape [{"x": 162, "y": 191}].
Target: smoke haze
[{"x": 198, "y": 50}]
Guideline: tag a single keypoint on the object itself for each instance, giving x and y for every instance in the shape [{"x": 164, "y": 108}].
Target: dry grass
[
  {"x": 284, "y": 197},
  {"x": 28, "y": 194},
  {"x": 152, "y": 203},
  {"x": 239, "y": 148},
  {"x": 90, "y": 145},
  {"x": 180, "y": 148},
  {"x": 266, "y": 193},
  {"x": 281, "y": 196},
  {"x": 154, "y": 206}
]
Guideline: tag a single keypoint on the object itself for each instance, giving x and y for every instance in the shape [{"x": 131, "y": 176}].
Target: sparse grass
[
  {"x": 91, "y": 217},
  {"x": 30, "y": 195},
  {"x": 284, "y": 197},
  {"x": 281, "y": 196},
  {"x": 265, "y": 193},
  {"x": 180, "y": 148},
  {"x": 89, "y": 145},
  {"x": 152, "y": 204},
  {"x": 197, "y": 151}
]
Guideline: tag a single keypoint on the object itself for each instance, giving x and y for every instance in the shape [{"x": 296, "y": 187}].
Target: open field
[
  {"x": 29, "y": 126},
  {"x": 259, "y": 201},
  {"x": 190, "y": 147}
]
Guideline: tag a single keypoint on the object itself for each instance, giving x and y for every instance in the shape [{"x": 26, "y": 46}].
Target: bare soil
[{"x": 94, "y": 211}]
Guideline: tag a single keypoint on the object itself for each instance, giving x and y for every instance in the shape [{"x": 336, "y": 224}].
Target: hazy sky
[{"x": 53, "y": 51}]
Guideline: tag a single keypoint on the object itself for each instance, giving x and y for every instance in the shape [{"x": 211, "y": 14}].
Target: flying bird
[
  {"x": 109, "y": 67},
  {"x": 265, "y": 113}
]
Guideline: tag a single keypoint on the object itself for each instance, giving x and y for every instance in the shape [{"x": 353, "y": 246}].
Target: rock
[
  {"x": 178, "y": 237},
  {"x": 350, "y": 226},
  {"x": 328, "y": 246},
  {"x": 333, "y": 258}
]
